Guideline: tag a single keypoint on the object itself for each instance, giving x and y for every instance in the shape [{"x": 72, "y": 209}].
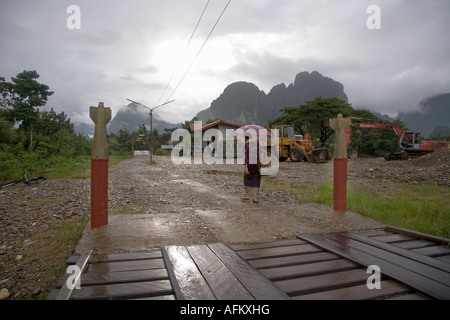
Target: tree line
[
  {"x": 313, "y": 117},
  {"x": 36, "y": 140}
]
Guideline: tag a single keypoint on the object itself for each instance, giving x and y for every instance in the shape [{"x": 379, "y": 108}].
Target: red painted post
[
  {"x": 340, "y": 184},
  {"x": 99, "y": 166},
  {"x": 340, "y": 125}
]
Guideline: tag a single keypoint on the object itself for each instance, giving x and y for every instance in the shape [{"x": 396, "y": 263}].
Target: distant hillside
[
  {"x": 243, "y": 102},
  {"x": 433, "y": 116},
  {"x": 132, "y": 117}
]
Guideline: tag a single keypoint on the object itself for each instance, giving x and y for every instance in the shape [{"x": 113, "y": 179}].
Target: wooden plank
[
  {"x": 360, "y": 292},
  {"x": 446, "y": 259},
  {"x": 129, "y": 256},
  {"x": 121, "y": 266},
  {"x": 414, "y": 244},
  {"x": 124, "y": 290},
  {"x": 65, "y": 292},
  {"x": 434, "y": 251},
  {"x": 222, "y": 282},
  {"x": 278, "y": 251},
  {"x": 418, "y": 235},
  {"x": 88, "y": 279},
  {"x": 165, "y": 297},
  {"x": 310, "y": 269},
  {"x": 372, "y": 233},
  {"x": 259, "y": 286},
  {"x": 410, "y": 254},
  {"x": 404, "y": 258},
  {"x": 340, "y": 245},
  {"x": 292, "y": 260},
  {"x": 271, "y": 244},
  {"x": 73, "y": 258},
  {"x": 299, "y": 286},
  {"x": 411, "y": 296},
  {"x": 188, "y": 282},
  {"x": 390, "y": 238}
]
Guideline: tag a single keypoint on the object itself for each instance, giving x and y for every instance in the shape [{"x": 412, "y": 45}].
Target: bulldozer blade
[{"x": 320, "y": 155}]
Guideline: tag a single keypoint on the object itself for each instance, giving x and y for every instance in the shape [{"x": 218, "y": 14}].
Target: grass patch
[
  {"x": 423, "y": 208},
  {"x": 79, "y": 168},
  {"x": 52, "y": 248},
  {"x": 271, "y": 183}
]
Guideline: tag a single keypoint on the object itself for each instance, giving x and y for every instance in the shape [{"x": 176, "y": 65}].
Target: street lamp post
[{"x": 151, "y": 120}]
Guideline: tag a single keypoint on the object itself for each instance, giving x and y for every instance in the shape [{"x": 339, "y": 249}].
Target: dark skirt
[{"x": 253, "y": 179}]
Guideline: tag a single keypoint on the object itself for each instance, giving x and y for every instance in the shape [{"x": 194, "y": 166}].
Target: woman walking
[{"x": 252, "y": 176}]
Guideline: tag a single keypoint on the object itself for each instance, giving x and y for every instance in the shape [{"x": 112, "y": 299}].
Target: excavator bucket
[{"x": 319, "y": 155}]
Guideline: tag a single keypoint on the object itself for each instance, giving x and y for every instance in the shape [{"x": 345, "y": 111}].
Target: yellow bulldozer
[{"x": 298, "y": 148}]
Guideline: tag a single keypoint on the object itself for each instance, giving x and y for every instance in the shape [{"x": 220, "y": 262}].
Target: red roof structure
[{"x": 215, "y": 124}]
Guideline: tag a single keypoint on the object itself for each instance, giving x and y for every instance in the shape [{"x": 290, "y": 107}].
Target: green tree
[
  {"x": 123, "y": 137},
  {"x": 50, "y": 122},
  {"x": 6, "y": 91},
  {"x": 187, "y": 123},
  {"x": 313, "y": 117},
  {"x": 28, "y": 95}
]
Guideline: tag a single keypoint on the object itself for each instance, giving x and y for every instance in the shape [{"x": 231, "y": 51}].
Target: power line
[
  {"x": 198, "y": 22},
  {"x": 187, "y": 45},
  {"x": 199, "y": 51}
]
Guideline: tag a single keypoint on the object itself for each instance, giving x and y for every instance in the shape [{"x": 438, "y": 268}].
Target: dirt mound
[
  {"x": 436, "y": 158},
  {"x": 433, "y": 168}
]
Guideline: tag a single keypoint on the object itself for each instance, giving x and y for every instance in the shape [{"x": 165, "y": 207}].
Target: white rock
[{"x": 4, "y": 293}]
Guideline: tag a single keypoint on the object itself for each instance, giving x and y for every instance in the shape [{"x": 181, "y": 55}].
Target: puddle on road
[{"x": 231, "y": 230}]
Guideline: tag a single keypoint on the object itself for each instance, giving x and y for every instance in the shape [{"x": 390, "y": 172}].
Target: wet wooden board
[
  {"x": 124, "y": 290},
  {"x": 321, "y": 266},
  {"x": 188, "y": 281},
  {"x": 82, "y": 262},
  {"x": 215, "y": 271},
  {"x": 388, "y": 288},
  {"x": 318, "y": 275},
  {"x": 315, "y": 268},
  {"x": 139, "y": 275},
  {"x": 302, "y": 273},
  {"x": 418, "y": 271}
]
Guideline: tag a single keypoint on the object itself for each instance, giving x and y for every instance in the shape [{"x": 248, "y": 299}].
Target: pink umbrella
[{"x": 255, "y": 127}]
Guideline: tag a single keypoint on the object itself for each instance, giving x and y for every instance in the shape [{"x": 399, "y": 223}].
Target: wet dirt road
[{"x": 167, "y": 204}]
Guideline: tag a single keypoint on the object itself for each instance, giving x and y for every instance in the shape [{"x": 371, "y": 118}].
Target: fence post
[
  {"x": 99, "y": 166},
  {"x": 340, "y": 125}
]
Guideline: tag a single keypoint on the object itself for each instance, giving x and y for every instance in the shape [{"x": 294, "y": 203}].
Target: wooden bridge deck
[{"x": 318, "y": 266}]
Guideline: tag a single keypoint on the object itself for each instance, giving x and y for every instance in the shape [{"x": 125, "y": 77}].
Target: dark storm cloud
[{"x": 130, "y": 49}]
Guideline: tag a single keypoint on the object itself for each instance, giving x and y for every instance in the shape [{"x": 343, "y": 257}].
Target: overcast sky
[{"x": 131, "y": 49}]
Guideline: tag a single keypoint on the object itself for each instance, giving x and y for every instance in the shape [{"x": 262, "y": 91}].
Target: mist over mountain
[
  {"x": 132, "y": 117},
  {"x": 433, "y": 116},
  {"x": 244, "y": 103}
]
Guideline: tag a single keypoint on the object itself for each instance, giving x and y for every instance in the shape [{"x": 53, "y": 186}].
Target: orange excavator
[{"x": 409, "y": 142}]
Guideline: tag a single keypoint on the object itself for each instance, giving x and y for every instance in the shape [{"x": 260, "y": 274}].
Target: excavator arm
[{"x": 409, "y": 141}]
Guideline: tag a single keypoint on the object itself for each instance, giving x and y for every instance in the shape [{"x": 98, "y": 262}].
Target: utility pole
[{"x": 151, "y": 120}]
